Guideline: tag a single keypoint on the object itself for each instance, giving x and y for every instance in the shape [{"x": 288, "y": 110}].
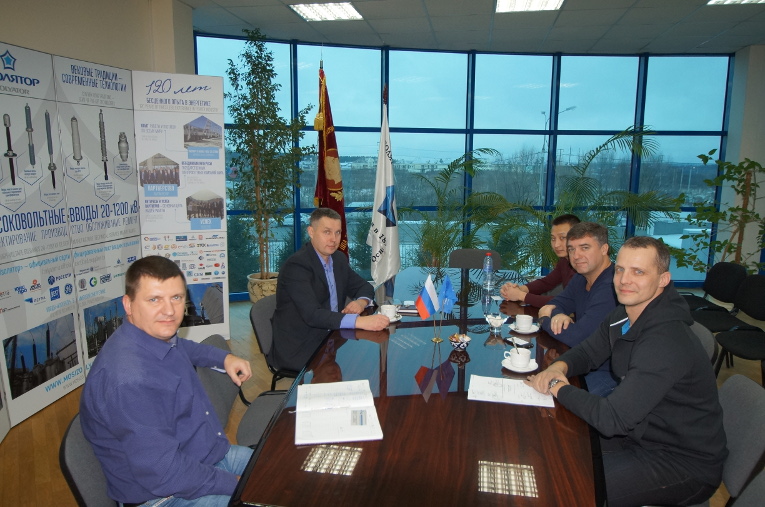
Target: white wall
[
  {"x": 151, "y": 35},
  {"x": 746, "y": 132}
]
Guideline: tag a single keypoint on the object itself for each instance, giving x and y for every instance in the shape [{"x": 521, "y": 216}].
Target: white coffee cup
[
  {"x": 523, "y": 322},
  {"x": 519, "y": 357},
  {"x": 388, "y": 310}
]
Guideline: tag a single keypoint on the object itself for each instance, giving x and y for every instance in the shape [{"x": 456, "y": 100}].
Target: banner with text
[{"x": 182, "y": 187}]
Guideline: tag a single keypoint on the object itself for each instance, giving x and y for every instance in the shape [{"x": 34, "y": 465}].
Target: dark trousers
[{"x": 636, "y": 476}]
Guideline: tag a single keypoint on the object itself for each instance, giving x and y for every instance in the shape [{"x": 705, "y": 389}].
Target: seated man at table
[
  {"x": 144, "y": 410},
  {"x": 575, "y": 313},
  {"x": 311, "y": 291},
  {"x": 662, "y": 435},
  {"x": 533, "y": 292}
]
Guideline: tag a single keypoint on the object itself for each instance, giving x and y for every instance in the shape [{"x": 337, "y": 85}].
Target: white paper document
[
  {"x": 336, "y": 412},
  {"x": 505, "y": 390}
]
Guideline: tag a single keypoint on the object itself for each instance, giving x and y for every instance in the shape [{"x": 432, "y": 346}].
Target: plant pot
[{"x": 260, "y": 288}]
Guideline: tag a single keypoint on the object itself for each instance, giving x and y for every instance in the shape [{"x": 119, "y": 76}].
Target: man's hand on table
[
  {"x": 376, "y": 322},
  {"x": 355, "y": 307},
  {"x": 513, "y": 292},
  {"x": 541, "y": 381}
]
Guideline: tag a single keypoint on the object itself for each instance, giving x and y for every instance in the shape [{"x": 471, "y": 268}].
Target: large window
[{"x": 541, "y": 113}]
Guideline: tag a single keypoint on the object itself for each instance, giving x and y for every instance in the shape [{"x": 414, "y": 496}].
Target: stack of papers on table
[
  {"x": 505, "y": 390},
  {"x": 336, "y": 412}
]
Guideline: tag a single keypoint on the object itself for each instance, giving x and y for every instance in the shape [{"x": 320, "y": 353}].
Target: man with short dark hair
[
  {"x": 311, "y": 294},
  {"x": 533, "y": 292},
  {"x": 144, "y": 410},
  {"x": 662, "y": 434},
  {"x": 575, "y": 313}
]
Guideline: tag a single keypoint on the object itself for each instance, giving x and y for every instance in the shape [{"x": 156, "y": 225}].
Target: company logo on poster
[
  {"x": 9, "y": 62},
  {"x": 68, "y": 288},
  {"x": 55, "y": 293}
]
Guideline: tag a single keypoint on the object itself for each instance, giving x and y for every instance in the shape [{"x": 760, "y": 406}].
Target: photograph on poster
[
  {"x": 202, "y": 132},
  {"x": 40, "y": 354},
  {"x": 204, "y": 304},
  {"x": 30, "y": 180},
  {"x": 101, "y": 321},
  {"x": 205, "y": 204},
  {"x": 101, "y": 189},
  {"x": 159, "y": 170}
]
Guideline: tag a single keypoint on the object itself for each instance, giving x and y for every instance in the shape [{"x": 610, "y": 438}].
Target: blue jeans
[
  {"x": 600, "y": 382},
  {"x": 636, "y": 476},
  {"x": 234, "y": 461}
]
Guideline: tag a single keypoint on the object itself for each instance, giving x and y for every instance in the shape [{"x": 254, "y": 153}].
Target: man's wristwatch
[{"x": 552, "y": 383}]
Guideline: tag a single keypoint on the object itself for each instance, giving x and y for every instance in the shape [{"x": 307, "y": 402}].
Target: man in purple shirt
[
  {"x": 144, "y": 410},
  {"x": 533, "y": 293}
]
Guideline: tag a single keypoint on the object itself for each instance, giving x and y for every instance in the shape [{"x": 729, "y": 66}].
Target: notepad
[
  {"x": 336, "y": 412},
  {"x": 505, "y": 390}
]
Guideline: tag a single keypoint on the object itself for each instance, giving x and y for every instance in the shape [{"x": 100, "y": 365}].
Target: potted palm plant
[
  {"x": 520, "y": 231},
  {"x": 266, "y": 150}
]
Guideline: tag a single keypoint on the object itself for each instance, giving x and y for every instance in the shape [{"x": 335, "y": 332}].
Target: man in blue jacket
[
  {"x": 144, "y": 410},
  {"x": 589, "y": 297}
]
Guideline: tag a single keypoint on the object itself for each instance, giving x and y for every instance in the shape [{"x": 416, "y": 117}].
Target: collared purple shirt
[
  {"x": 149, "y": 420},
  {"x": 349, "y": 319}
]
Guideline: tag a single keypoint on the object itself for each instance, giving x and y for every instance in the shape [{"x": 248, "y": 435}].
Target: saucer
[
  {"x": 533, "y": 329},
  {"x": 395, "y": 319},
  {"x": 531, "y": 366}
]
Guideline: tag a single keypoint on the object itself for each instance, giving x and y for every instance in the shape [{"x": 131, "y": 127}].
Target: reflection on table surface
[{"x": 438, "y": 447}]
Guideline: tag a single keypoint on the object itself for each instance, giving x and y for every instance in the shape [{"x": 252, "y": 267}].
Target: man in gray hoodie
[{"x": 661, "y": 428}]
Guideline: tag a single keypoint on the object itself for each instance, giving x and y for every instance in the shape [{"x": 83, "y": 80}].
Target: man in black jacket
[
  {"x": 311, "y": 291},
  {"x": 662, "y": 434}
]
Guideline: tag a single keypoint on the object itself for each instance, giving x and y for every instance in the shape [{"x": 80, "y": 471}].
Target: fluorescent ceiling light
[
  {"x": 528, "y": 5},
  {"x": 326, "y": 12},
  {"x": 734, "y": 2}
]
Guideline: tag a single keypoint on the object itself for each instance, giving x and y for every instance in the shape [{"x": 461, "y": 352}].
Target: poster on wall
[
  {"x": 39, "y": 333},
  {"x": 33, "y": 211},
  {"x": 97, "y": 150},
  {"x": 182, "y": 188},
  {"x": 203, "y": 260},
  {"x": 181, "y": 159},
  {"x": 100, "y": 284}
]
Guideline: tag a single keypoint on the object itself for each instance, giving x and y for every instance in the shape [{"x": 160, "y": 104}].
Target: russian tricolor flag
[{"x": 427, "y": 301}]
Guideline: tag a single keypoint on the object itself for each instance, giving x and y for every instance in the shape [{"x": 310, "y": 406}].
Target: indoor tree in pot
[
  {"x": 720, "y": 230},
  {"x": 267, "y": 151}
]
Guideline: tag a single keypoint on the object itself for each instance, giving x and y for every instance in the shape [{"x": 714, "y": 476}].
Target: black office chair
[
  {"x": 722, "y": 282},
  {"x": 472, "y": 258},
  {"x": 222, "y": 393},
  {"x": 743, "y": 343},
  {"x": 750, "y": 299},
  {"x": 81, "y": 468},
  {"x": 260, "y": 317}
]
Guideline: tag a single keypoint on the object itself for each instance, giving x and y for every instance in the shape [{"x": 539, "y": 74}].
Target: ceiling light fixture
[
  {"x": 528, "y": 5},
  {"x": 326, "y": 12},
  {"x": 734, "y": 2}
]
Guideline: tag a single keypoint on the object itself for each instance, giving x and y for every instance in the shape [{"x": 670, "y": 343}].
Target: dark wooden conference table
[{"x": 446, "y": 450}]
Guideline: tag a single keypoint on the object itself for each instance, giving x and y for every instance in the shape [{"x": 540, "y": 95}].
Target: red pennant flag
[{"x": 329, "y": 181}]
